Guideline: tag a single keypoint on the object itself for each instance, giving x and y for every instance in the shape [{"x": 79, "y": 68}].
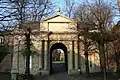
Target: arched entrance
[{"x": 58, "y": 52}]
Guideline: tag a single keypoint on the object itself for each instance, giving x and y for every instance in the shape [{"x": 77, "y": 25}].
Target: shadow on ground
[
  {"x": 58, "y": 68},
  {"x": 65, "y": 76},
  {"x": 5, "y": 76}
]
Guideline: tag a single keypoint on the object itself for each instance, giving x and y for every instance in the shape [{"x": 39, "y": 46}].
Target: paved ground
[
  {"x": 58, "y": 68},
  {"x": 65, "y": 76},
  {"x": 4, "y": 76},
  {"x": 60, "y": 74}
]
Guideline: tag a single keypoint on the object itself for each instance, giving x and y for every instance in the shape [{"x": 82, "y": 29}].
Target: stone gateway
[{"x": 57, "y": 32}]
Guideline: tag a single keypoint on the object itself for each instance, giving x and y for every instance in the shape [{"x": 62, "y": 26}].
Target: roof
[{"x": 53, "y": 17}]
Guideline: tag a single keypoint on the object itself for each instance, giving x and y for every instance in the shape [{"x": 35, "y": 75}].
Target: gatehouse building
[{"x": 55, "y": 38}]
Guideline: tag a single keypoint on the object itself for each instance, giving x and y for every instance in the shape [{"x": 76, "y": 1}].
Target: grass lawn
[{"x": 58, "y": 61}]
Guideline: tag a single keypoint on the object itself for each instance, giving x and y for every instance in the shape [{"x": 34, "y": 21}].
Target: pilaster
[
  {"x": 46, "y": 56},
  {"x": 76, "y": 55},
  {"x": 70, "y": 58}
]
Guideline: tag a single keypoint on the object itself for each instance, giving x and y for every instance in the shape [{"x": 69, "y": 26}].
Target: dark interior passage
[
  {"x": 58, "y": 58},
  {"x": 58, "y": 61}
]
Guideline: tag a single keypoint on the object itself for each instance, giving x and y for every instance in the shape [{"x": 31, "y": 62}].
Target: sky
[{"x": 60, "y": 4}]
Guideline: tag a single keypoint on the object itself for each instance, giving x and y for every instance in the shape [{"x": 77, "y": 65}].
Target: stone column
[
  {"x": 15, "y": 62},
  {"x": 14, "y": 70},
  {"x": 42, "y": 60},
  {"x": 73, "y": 55},
  {"x": 40, "y": 56},
  {"x": 46, "y": 59},
  {"x": 15, "y": 57},
  {"x": 70, "y": 59},
  {"x": 76, "y": 55},
  {"x": 46, "y": 56},
  {"x": 78, "y": 47}
]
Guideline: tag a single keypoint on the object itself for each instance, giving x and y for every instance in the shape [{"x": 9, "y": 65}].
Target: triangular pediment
[
  {"x": 59, "y": 18},
  {"x": 58, "y": 23}
]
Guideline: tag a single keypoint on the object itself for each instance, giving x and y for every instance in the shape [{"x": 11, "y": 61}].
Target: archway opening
[{"x": 58, "y": 58}]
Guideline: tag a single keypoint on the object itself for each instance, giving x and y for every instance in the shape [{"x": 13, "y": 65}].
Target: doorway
[{"x": 58, "y": 58}]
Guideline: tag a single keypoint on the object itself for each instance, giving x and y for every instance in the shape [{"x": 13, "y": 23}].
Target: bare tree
[
  {"x": 98, "y": 16},
  {"x": 18, "y": 12},
  {"x": 35, "y": 10},
  {"x": 84, "y": 25},
  {"x": 116, "y": 45},
  {"x": 118, "y": 4},
  {"x": 69, "y": 7},
  {"x": 39, "y": 8}
]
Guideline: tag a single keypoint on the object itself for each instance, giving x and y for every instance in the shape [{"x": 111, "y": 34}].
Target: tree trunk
[
  {"x": 86, "y": 56},
  {"x": 28, "y": 53},
  {"x": 27, "y": 72},
  {"x": 117, "y": 58},
  {"x": 102, "y": 58}
]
